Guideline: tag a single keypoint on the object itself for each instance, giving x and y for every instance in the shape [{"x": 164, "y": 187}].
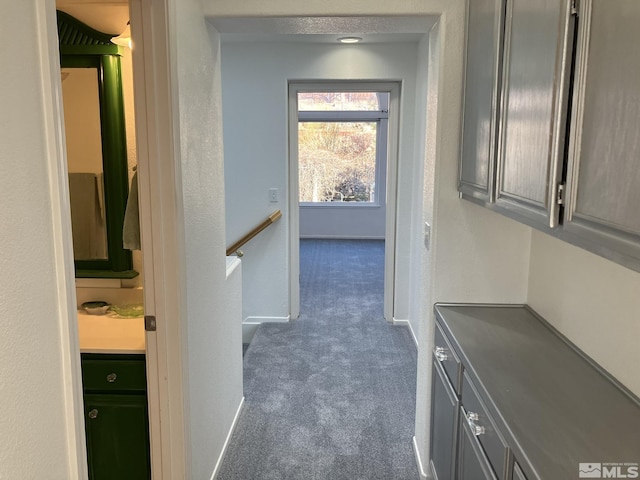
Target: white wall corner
[{"x": 228, "y": 439}]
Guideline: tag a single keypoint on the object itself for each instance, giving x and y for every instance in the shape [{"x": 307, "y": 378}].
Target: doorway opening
[
  {"x": 342, "y": 169},
  {"x": 99, "y": 121}
]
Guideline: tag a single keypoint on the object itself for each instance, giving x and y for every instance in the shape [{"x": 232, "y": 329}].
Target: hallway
[{"x": 331, "y": 395}]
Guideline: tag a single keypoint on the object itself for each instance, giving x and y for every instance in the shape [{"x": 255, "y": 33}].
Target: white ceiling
[
  {"x": 107, "y": 16},
  {"x": 111, "y": 16},
  {"x": 323, "y": 29},
  {"x": 318, "y": 38}
]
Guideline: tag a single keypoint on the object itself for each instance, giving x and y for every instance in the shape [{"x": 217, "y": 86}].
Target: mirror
[
  {"x": 96, "y": 148},
  {"x": 81, "y": 103}
]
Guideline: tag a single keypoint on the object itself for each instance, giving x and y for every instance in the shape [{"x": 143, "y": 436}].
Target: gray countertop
[{"x": 555, "y": 408}]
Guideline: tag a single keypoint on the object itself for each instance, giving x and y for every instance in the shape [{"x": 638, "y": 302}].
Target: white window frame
[{"x": 380, "y": 117}]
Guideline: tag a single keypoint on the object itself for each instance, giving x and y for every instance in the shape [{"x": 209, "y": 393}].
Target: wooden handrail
[{"x": 275, "y": 216}]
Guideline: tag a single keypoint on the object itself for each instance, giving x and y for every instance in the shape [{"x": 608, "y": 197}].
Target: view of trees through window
[
  {"x": 337, "y": 161},
  {"x": 336, "y": 149}
]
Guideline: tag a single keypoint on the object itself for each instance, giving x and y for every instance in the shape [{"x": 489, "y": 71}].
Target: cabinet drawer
[
  {"x": 472, "y": 461},
  {"x": 444, "y": 354},
  {"x": 483, "y": 428},
  {"x": 113, "y": 374}
]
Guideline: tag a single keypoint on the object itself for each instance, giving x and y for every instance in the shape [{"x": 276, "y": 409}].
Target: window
[{"x": 342, "y": 138}]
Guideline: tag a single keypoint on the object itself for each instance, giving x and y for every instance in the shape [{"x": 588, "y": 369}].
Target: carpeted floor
[{"x": 331, "y": 395}]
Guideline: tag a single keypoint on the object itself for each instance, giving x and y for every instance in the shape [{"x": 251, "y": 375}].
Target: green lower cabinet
[
  {"x": 117, "y": 436},
  {"x": 116, "y": 417}
]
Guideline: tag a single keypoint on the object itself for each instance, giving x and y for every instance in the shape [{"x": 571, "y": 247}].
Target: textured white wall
[
  {"x": 426, "y": 65},
  {"x": 255, "y": 80},
  {"x": 214, "y": 345},
  {"x": 414, "y": 281},
  {"x": 36, "y": 397},
  {"x": 592, "y": 301},
  {"x": 422, "y": 328},
  {"x": 476, "y": 255},
  {"x": 343, "y": 221}
]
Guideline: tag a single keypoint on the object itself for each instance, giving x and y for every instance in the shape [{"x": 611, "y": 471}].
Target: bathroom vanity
[{"x": 115, "y": 399}]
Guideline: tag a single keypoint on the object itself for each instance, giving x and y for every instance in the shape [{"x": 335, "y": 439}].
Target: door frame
[
  {"x": 155, "y": 88},
  {"x": 155, "y": 71},
  {"x": 394, "y": 89}
]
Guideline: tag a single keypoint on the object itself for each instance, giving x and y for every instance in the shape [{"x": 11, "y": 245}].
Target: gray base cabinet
[
  {"x": 513, "y": 400},
  {"x": 444, "y": 419}
]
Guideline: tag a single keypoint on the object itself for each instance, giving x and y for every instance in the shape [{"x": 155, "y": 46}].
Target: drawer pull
[
  {"x": 477, "y": 430},
  {"x": 112, "y": 377},
  {"x": 440, "y": 354},
  {"x": 93, "y": 413}
]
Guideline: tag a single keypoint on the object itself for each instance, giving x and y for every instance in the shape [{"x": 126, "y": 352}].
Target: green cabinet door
[{"x": 117, "y": 436}]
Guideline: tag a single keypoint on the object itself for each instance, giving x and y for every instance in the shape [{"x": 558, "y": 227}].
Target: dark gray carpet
[{"x": 331, "y": 395}]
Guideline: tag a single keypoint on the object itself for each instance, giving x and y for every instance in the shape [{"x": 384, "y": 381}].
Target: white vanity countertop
[{"x": 106, "y": 334}]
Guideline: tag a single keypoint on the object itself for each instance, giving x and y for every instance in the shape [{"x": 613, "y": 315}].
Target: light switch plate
[{"x": 273, "y": 195}]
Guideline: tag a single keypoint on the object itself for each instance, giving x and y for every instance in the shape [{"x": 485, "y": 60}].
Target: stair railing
[{"x": 235, "y": 248}]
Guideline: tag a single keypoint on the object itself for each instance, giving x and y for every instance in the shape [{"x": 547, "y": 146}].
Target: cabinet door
[
  {"x": 537, "y": 62},
  {"x": 472, "y": 462},
  {"x": 444, "y": 425},
  {"x": 117, "y": 436},
  {"x": 517, "y": 473},
  {"x": 479, "y": 134},
  {"x": 603, "y": 184}
]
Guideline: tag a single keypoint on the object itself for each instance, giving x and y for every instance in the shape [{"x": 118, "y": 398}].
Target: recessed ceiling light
[{"x": 350, "y": 39}]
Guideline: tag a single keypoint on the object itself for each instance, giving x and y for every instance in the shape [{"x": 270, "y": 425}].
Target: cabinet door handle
[
  {"x": 112, "y": 377},
  {"x": 477, "y": 430},
  {"x": 440, "y": 354},
  {"x": 93, "y": 413}
]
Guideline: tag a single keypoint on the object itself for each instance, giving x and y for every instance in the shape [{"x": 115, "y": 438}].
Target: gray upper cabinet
[
  {"x": 485, "y": 19},
  {"x": 603, "y": 182},
  {"x": 551, "y": 128},
  {"x": 537, "y": 61}
]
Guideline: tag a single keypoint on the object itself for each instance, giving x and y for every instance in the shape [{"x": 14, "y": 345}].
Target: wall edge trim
[
  {"x": 227, "y": 440},
  {"x": 416, "y": 452}
]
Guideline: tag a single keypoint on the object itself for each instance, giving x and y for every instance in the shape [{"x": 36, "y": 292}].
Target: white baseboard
[
  {"x": 397, "y": 321},
  {"x": 340, "y": 237},
  {"x": 416, "y": 452},
  {"x": 266, "y": 319},
  {"x": 228, "y": 439},
  {"x": 251, "y": 324}
]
